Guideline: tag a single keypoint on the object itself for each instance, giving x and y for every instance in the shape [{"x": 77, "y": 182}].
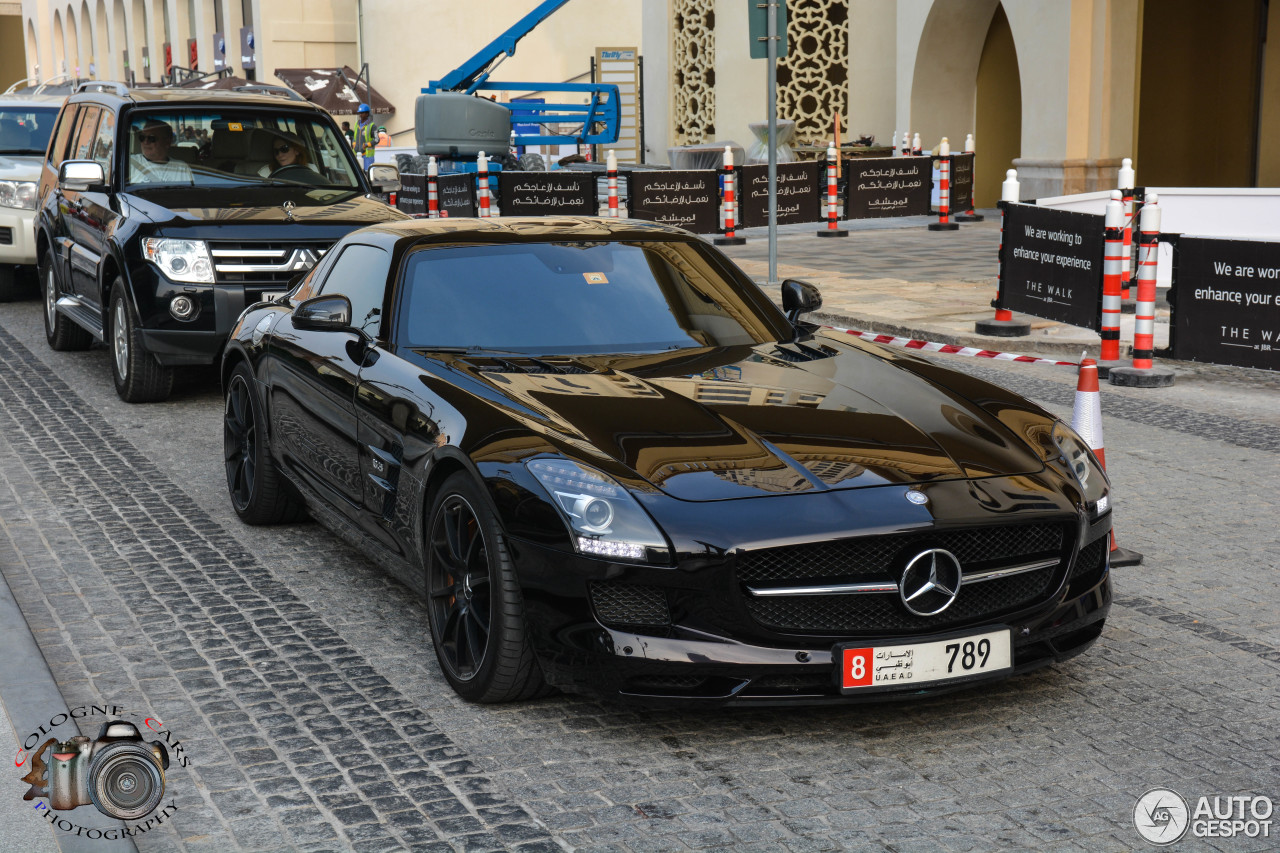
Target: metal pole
[{"x": 773, "y": 141}]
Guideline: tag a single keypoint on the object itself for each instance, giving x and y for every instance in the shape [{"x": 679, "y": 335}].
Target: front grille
[
  {"x": 879, "y": 555},
  {"x": 839, "y": 614},
  {"x": 6, "y": 236},
  {"x": 264, "y": 264},
  {"x": 1091, "y": 558},
  {"x": 629, "y": 605}
]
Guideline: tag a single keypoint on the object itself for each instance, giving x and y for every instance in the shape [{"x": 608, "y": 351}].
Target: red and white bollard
[
  {"x": 906, "y": 143},
  {"x": 916, "y": 150},
  {"x": 1003, "y": 326},
  {"x": 893, "y": 142},
  {"x": 433, "y": 189},
  {"x": 1112, "y": 265},
  {"x": 611, "y": 171},
  {"x": 970, "y": 215},
  {"x": 944, "y": 222},
  {"x": 833, "y": 203},
  {"x": 482, "y": 173},
  {"x": 1125, "y": 182},
  {"x": 730, "y": 204},
  {"x": 1144, "y": 373}
]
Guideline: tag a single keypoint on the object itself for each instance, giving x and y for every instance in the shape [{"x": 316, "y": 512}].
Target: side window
[
  {"x": 58, "y": 150},
  {"x": 360, "y": 274},
  {"x": 105, "y": 142},
  {"x": 82, "y": 148}
]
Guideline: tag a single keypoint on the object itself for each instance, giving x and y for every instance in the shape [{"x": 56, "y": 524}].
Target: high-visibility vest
[{"x": 367, "y": 136}]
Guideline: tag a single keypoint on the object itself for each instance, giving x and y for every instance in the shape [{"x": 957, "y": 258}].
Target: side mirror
[
  {"x": 385, "y": 178},
  {"x": 799, "y": 297},
  {"x": 323, "y": 314},
  {"x": 80, "y": 175}
]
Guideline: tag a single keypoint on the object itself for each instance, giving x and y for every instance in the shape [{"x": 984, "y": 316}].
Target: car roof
[
  {"x": 140, "y": 96},
  {"x": 523, "y": 228},
  {"x": 17, "y": 99}
]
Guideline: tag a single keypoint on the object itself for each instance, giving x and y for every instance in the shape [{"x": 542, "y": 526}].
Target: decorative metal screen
[
  {"x": 813, "y": 80},
  {"x": 694, "y": 66}
]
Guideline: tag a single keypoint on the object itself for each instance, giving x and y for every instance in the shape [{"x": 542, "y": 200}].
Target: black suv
[{"x": 162, "y": 213}]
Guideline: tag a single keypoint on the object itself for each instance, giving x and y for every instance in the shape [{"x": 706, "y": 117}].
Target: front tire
[
  {"x": 474, "y": 604},
  {"x": 139, "y": 377},
  {"x": 257, "y": 495},
  {"x": 62, "y": 334}
]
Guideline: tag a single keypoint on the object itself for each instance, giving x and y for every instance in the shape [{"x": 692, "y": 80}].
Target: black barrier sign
[
  {"x": 548, "y": 193},
  {"x": 412, "y": 198},
  {"x": 800, "y": 196},
  {"x": 961, "y": 183},
  {"x": 457, "y": 194},
  {"x": 1051, "y": 265},
  {"x": 887, "y": 186},
  {"x": 689, "y": 199},
  {"x": 1226, "y": 302}
]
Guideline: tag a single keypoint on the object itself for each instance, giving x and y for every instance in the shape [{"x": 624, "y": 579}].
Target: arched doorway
[
  {"x": 998, "y": 136},
  {"x": 33, "y": 52},
  {"x": 59, "y": 47}
]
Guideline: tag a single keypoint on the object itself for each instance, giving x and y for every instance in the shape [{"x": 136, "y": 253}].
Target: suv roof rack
[
  {"x": 267, "y": 89},
  {"x": 104, "y": 86}
]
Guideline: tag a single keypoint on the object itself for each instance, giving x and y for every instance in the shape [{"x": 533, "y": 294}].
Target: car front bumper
[{"x": 17, "y": 237}]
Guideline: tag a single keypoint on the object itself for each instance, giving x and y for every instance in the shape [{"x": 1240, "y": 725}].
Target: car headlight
[
  {"x": 18, "y": 194},
  {"x": 606, "y": 521},
  {"x": 1084, "y": 467},
  {"x": 180, "y": 260}
]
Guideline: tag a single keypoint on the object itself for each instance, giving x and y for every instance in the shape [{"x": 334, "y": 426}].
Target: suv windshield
[
  {"x": 224, "y": 148},
  {"x": 25, "y": 130},
  {"x": 575, "y": 298}
]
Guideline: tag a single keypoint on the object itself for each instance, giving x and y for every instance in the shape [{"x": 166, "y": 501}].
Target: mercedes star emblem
[{"x": 931, "y": 582}]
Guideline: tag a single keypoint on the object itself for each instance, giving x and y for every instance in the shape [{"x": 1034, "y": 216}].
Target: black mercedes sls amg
[{"x": 608, "y": 463}]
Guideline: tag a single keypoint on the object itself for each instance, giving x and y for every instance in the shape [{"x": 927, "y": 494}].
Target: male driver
[
  {"x": 153, "y": 165},
  {"x": 366, "y": 135}
]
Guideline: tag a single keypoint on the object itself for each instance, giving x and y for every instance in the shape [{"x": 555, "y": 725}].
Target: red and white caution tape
[{"x": 952, "y": 349}]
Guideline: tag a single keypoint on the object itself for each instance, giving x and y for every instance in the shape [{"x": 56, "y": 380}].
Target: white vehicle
[{"x": 25, "y": 124}]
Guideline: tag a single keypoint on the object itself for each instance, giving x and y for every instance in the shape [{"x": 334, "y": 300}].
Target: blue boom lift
[{"x": 453, "y": 123}]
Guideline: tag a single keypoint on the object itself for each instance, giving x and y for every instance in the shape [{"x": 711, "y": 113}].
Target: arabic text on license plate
[{"x": 907, "y": 665}]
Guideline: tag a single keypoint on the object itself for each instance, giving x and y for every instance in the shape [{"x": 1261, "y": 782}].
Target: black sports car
[{"x": 609, "y": 464}]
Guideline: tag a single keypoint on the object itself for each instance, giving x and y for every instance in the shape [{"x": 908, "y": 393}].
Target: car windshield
[
  {"x": 240, "y": 149},
  {"x": 25, "y": 130},
  {"x": 578, "y": 297}
]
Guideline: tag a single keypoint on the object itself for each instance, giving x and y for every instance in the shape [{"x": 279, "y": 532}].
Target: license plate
[{"x": 912, "y": 664}]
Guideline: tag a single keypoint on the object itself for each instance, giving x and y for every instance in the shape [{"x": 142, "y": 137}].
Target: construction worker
[{"x": 366, "y": 135}]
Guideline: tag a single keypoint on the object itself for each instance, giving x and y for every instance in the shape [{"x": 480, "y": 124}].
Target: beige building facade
[{"x": 1059, "y": 89}]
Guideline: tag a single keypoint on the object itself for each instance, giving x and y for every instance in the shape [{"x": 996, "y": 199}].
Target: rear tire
[
  {"x": 139, "y": 377},
  {"x": 474, "y": 603},
  {"x": 62, "y": 334},
  {"x": 257, "y": 495}
]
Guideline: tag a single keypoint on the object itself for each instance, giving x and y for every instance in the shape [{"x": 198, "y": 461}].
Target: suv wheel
[
  {"x": 61, "y": 333},
  {"x": 139, "y": 377}
]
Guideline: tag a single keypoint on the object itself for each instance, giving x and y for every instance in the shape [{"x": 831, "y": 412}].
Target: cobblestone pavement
[{"x": 305, "y": 692}]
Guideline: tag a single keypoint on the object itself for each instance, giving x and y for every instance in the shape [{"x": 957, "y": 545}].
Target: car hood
[
  {"x": 751, "y": 421},
  {"x": 18, "y": 167},
  {"x": 260, "y": 206}
]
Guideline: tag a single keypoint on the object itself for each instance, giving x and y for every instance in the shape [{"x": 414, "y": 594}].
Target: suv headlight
[
  {"x": 1084, "y": 467},
  {"x": 180, "y": 260},
  {"x": 605, "y": 520},
  {"x": 18, "y": 194}
]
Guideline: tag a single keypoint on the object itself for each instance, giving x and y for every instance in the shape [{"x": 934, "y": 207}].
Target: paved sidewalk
[{"x": 896, "y": 276}]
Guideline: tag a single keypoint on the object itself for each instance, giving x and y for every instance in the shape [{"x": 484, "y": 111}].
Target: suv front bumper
[{"x": 17, "y": 236}]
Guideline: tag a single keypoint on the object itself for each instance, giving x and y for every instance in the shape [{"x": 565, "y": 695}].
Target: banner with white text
[
  {"x": 689, "y": 199},
  {"x": 887, "y": 186},
  {"x": 1051, "y": 264},
  {"x": 1226, "y": 302}
]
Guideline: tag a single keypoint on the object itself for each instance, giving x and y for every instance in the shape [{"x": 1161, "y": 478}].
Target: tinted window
[
  {"x": 360, "y": 274},
  {"x": 58, "y": 152},
  {"x": 577, "y": 298},
  {"x": 82, "y": 148},
  {"x": 26, "y": 130},
  {"x": 105, "y": 142}
]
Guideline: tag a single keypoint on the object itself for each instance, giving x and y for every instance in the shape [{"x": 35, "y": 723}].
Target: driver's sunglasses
[
  {"x": 280, "y": 149},
  {"x": 148, "y": 137}
]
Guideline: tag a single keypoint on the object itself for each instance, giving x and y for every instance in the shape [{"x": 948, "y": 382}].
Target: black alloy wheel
[
  {"x": 473, "y": 601},
  {"x": 257, "y": 495},
  {"x": 62, "y": 334}
]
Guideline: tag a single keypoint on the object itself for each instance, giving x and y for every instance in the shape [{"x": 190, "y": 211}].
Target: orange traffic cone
[{"x": 1086, "y": 419}]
